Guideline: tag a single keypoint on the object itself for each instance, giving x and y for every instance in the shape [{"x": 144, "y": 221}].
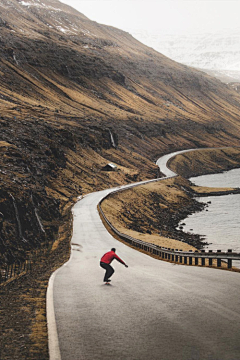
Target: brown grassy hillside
[
  {"x": 75, "y": 95},
  {"x": 205, "y": 161}
]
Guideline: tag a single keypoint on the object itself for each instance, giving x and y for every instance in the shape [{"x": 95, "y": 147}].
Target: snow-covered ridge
[
  {"x": 39, "y": 5},
  {"x": 61, "y": 22}
]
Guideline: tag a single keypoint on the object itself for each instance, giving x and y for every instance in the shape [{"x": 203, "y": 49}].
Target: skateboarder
[{"x": 106, "y": 261}]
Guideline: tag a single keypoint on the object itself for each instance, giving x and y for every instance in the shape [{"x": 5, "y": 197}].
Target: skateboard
[{"x": 107, "y": 283}]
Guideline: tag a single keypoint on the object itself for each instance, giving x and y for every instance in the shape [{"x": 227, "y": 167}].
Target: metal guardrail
[{"x": 221, "y": 258}]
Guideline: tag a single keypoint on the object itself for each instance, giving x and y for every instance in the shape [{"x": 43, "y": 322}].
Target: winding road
[{"x": 153, "y": 309}]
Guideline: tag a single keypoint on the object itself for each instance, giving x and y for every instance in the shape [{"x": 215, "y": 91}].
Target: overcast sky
[{"x": 167, "y": 16}]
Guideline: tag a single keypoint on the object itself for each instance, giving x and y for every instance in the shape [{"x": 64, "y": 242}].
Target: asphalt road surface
[
  {"x": 153, "y": 309},
  {"x": 162, "y": 162}
]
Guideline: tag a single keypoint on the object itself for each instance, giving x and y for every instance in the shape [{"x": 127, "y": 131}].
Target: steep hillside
[{"x": 75, "y": 95}]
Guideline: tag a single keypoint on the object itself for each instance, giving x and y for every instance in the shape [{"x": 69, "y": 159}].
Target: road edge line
[{"x": 53, "y": 343}]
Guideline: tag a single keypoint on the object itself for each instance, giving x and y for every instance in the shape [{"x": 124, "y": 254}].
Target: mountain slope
[{"x": 75, "y": 95}]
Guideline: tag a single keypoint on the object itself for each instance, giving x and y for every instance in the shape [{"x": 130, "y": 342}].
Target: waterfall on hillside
[
  {"x": 37, "y": 216},
  {"x": 18, "y": 219},
  {"x": 39, "y": 221},
  {"x": 112, "y": 139},
  {"x": 15, "y": 59}
]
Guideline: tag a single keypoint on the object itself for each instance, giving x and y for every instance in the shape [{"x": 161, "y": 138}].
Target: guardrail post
[
  {"x": 219, "y": 261},
  {"x": 210, "y": 260},
  {"x": 229, "y": 260},
  {"x": 196, "y": 258},
  {"x": 180, "y": 259}
]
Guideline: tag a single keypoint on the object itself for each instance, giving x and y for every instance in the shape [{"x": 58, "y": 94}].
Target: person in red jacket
[{"x": 106, "y": 261}]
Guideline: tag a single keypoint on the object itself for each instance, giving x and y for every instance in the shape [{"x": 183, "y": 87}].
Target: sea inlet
[{"x": 219, "y": 221}]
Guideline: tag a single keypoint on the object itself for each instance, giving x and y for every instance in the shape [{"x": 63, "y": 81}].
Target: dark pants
[{"x": 109, "y": 270}]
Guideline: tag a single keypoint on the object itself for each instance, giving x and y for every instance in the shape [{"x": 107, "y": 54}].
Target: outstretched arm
[{"x": 120, "y": 260}]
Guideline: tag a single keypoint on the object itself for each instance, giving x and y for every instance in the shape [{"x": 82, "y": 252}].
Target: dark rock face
[{"x": 32, "y": 154}]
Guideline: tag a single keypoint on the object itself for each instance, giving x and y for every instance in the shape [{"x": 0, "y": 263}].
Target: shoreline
[
  {"x": 150, "y": 213},
  {"x": 168, "y": 212},
  {"x": 193, "y": 238},
  {"x": 165, "y": 232}
]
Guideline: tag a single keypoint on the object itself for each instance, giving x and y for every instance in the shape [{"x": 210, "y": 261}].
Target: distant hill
[
  {"x": 76, "y": 95},
  {"x": 215, "y": 53}
]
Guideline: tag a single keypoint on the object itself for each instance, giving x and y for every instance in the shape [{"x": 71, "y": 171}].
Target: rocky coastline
[
  {"x": 177, "y": 220},
  {"x": 153, "y": 211}
]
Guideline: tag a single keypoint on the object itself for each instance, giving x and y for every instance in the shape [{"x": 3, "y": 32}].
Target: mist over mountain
[
  {"x": 218, "y": 53},
  {"x": 75, "y": 95}
]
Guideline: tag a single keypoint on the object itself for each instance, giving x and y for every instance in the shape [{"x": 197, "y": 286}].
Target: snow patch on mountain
[{"x": 39, "y": 5}]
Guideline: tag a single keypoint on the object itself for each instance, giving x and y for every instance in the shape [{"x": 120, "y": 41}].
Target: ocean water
[{"x": 220, "y": 221}]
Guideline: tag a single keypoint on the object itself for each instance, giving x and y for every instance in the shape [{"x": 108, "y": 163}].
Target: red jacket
[{"x": 110, "y": 256}]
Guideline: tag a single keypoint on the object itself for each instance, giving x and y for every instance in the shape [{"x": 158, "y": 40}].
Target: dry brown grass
[
  {"x": 205, "y": 161},
  {"x": 24, "y": 329},
  {"x": 135, "y": 206},
  {"x": 141, "y": 207},
  {"x": 210, "y": 190}
]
